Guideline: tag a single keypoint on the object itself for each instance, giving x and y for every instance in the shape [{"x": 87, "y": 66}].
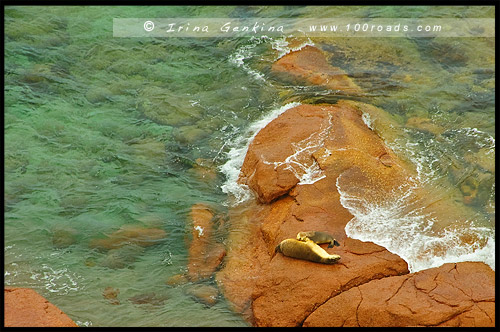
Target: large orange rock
[
  {"x": 329, "y": 140},
  {"x": 295, "y": 166},
  {"x": 26, "y": 308},
  {"x": 461, "y": 294},
  {"x": 310, "y": 65},
  {"x": 326, "y": 139}
]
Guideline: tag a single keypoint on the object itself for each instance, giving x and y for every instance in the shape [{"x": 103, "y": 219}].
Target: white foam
[
  {"x": 199, "y": 229},
  {"x": 281, "y": 45},
  {"x": 246, "y": 52},
  {"x": 483, "y": 140},
  {"x": 300, "y": 163},
  {"x": 429, "y": 154},
  {"x": 236, "y": 156},
  {"x": 405, "y": 230},
  {"x": 367, "y": 120}
]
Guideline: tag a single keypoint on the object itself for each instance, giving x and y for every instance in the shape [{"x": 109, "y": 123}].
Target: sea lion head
[{"x": 302, "y": 236}]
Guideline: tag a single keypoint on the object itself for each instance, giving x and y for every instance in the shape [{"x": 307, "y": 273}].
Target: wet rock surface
[
  {"x": 309, "y": 65},
  {"x": 461, "y": 294},
  {"x": 205, "y": 294},
  {"x": 205, "y": 255}
]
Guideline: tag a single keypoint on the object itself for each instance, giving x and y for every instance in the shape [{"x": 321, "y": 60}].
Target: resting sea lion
[
  {"x": 318, "y": 237},
  {"x": 307, "y": 250}
]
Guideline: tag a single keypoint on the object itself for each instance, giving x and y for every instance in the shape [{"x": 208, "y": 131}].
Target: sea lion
[
  {"x": 307, "y": 250},
  {"x": 318, "y": 237}
]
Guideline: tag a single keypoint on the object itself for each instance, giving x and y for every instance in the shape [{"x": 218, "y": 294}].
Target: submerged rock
[
  {"x": 122, "y": 257},
  {"x": 425, "y": 124},
  {"x": 62, "y": 238},
  {"x": 98, "y": 95},
  {"x": 137, "y": 235},
  {"x": 204, "y": 170},
  {"x": 37, "y": 74},
  {"x": 149, "y": 298},
  {"x": 168, "y": 107},
  {"x": 149, "y": 149},
  {"x": 206, "y": 294},
  {"x": 111, "y": 294},
  {"x": 309, "y": 65},
  {"x": 177, "y": 279},
  {"x": 189, "y": 134}
]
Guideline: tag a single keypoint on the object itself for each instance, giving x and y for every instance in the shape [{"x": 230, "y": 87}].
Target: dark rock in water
[
  {"x": 111, "y": 294},
  {"x": 62, "y": 238},
  {"x": 133, "y": 234},
  {"x": 204, "y": 170},
  {"x": 189, "y": 134},
  {"x": 37, "y": 74},
  {"x": 167, "y": 107},
  {"x": 425, "y": 124},
  {"x": 149, "y": 298},
  {"x": 149, "y": 149},
  {"x": 98, "y": 95},
  {"x": 122, "y": 257},
  {"x": 176, "y": 280}
]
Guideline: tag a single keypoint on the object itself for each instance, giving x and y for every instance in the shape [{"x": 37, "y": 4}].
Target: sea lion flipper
[
  {"x": 335, "y": 243},
  {"x": 331, "y": 244}
]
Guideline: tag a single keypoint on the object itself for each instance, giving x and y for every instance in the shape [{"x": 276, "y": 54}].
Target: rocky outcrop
[
  {"x": 309, "y": 65},
  {"x": 461, "y": 294},
  {"x": 295, "y": 167},
  {"x": 26, "y": 308},
  {"x": 292, "y": 166},
  {"x": 310, "y": 142}
]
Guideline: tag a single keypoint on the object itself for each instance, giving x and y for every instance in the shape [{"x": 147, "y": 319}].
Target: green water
[{"x": 101, "y": 132}]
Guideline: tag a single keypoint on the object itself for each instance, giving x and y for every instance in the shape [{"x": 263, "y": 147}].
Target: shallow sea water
[{"x": 103, "y": 132}]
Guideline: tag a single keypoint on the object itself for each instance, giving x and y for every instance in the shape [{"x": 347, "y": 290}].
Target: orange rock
[
  {"x": 335, "y": 142},
  {"x": 137, "y": 235},
  {"x": 205, "y": 254},
  {"x": 309, "y": 65},
  {"x": 26, "y": 308},
  {"x": 276, "y": 290},
  {"x": 461, "y": 294},
  {"x": 336, "y": 138}
]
